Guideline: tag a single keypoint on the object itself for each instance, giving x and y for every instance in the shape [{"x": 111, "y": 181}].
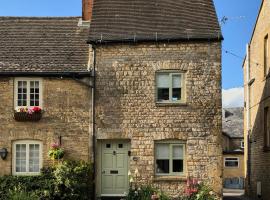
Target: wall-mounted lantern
[{"x": 3, "y": 153}]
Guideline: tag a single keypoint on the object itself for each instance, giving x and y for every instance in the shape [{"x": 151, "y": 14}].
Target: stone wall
[
  {"x": 126, "y": 106},
  {"x": 259, "y": 99},
  {"x": 66, "y": 105}
]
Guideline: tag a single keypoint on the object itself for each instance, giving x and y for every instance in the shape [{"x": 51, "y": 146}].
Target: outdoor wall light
[{"x": 3, "y": 153}]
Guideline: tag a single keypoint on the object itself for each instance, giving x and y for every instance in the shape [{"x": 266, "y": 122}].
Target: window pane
[
  {"x": 176, "y": 79},
  {"x": 20, "y": 158},
  {"x": 22, "y": 93},
  {"x": 162, "y": 151},
  {"x": 176, "y": 96},
  {"x": 162, "y": 166},
  {"x": 177, "y": 165},
  {"x": 34, "y": 158},
  {"x": 231, "y": 163},
  {"x": 34, "y": 93},
  {"x": 163, "y": 94},
  {"x": 178, "y": 152},
  {"x": 163, "y": 81}
]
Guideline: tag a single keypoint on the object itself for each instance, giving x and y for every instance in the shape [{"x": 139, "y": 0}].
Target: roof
[
  {"x": 152, "y": 20},
  {"x": 232, "y": 122},
  {"x": 42, "y": 44}
]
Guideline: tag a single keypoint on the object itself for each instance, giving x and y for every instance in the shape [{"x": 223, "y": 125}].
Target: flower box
[
  {"x": 28, "y": 114},
  {"x": 24, "y": 116}
]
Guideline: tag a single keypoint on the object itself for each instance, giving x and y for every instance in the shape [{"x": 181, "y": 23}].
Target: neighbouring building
[
  {"x": 257, "y": 107},
  {"x": 233, "y": 148},
  {"x": 42, "y": 63},
  {"x": 143, "y": 95}
]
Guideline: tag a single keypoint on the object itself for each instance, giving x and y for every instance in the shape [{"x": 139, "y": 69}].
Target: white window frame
[
  {"x": 171, "y": 144},
  {"x": 183, "y": 88},
  {"x": 27, "y": 143},
  {"x": 16, "y": 107},
  {"x": 228, "y": 159}
]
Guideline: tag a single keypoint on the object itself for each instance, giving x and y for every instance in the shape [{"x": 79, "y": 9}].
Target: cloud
[{"x": 233, "y": 97}]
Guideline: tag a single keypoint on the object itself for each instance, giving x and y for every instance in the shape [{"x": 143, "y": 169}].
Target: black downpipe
[{"x": 94, "y": 121}]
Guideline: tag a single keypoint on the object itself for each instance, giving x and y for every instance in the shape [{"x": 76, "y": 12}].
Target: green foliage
[
  {"x": 145, "y": 193},
  {"x": 69, "y": 180},
  {"x": 73, "y": 180}
]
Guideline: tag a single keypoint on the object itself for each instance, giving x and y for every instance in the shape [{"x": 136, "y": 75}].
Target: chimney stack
[{"x": 87, "y": 7}]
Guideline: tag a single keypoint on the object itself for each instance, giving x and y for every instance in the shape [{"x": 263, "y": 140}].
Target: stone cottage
[
  {"x": 149, "y": 80},
  {"x": 42, "y": 63},
  {"x": 256, "y": 70},
  {"x": 157, "y": 93}
]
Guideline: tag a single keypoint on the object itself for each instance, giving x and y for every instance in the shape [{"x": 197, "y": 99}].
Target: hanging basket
[{"x": 24, "y": 116}]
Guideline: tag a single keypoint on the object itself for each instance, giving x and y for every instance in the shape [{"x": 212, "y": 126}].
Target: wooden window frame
[
  {"x": 171, "y": 145},
  {"x": 228, "y": 159},
  {"x": 27, "y": 143},
  {"x": 16, "y": 80},
  {"x": 183, "y": 87}
]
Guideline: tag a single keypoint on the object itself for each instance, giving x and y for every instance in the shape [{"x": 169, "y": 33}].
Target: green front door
[{"x": 114, "y": 168}]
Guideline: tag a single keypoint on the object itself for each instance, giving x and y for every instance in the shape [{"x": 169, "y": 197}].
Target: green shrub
[
  {"x": 145, "y": 193},
  {"x": 69, "y": 180},
  {"x": 73, "y": 180}
]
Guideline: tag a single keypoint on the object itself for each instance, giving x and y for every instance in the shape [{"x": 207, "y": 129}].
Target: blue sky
[{"x": 241, "y": 16}]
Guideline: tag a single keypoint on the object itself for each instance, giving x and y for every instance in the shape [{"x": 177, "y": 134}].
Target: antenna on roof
[
  {"x": 156, "y": 36},
  {"x": 101, "y": 37},
  {"x": 224, "y": 19},
  {"x": 134, "y": 37}
]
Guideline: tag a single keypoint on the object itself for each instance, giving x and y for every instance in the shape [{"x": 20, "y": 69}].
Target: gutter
[
  {"x": 117, "y": 41},
  {"x": 46, "y": 74},
  {"x": 248, "y": 149}
]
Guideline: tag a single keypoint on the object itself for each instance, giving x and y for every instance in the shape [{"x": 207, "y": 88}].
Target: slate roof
[
  {"x": 232, "y": 122},
  {"x": 153, "y": 20},
  {"x": 42, "y": 44}
]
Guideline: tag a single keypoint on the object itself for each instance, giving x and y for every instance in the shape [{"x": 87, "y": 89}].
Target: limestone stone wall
[
  {"x": 126, "y": 106},
  {"x": 259, "y": 156},
  {"x": 66, "y": 105}
]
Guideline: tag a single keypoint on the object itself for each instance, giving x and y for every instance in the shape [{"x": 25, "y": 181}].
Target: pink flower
[
  {"x": 55, "y": 145},
  {"x": 30, "y": 111}
]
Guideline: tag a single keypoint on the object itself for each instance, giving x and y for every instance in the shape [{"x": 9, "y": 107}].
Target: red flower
[{"x": 36, "y": 109}]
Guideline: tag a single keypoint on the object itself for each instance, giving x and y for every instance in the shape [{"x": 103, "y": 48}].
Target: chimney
[{"x": 87, "y": 7}]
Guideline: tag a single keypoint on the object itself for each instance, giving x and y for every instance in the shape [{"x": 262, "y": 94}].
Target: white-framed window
[
  {"x": 242, "y": 144},
  {"x": 169, "y": 158},
  {"x": 231, "y": 162},
  {"x": 28, "y": 92},
  {"x": 27, "y": 157},
  {"x": 170, "y": 87}
]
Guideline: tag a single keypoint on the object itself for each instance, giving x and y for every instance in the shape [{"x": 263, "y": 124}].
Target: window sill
[
  {"x": 161, "y": 104},
  {"x": 170, "y": 178}
]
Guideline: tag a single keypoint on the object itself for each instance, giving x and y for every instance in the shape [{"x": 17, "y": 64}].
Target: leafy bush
[
  {"x": 197, "y": 190},
  {"x": 146, "y": 192},
  {"x": 69, "y": 180},
  {"x": 73, "y": 180}
]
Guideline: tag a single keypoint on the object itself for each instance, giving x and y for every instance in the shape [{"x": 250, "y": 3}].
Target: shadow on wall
[{"x": 258, "y": 153}]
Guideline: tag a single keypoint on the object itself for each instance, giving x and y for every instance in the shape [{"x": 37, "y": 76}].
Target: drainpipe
[
  {"x": 248, "y": 113},
  {"x": 93, "y": 121}
]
